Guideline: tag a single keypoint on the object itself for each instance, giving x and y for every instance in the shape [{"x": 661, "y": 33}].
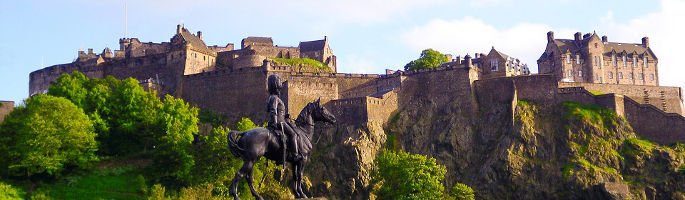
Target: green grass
[
  {"x": 110, "y": 183},
  {"x": 634, "y": 146},
  {"x": 304, "y": 61},
  {"x": 594, "y": 92},
  {"x": 592, "y": 113},
  {"x": 567, "y": 170}
]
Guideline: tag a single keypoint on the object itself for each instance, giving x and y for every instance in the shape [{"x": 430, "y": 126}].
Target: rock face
[{"x": 507, "y": 151}]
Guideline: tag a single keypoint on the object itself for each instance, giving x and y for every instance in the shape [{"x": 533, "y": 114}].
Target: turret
[
  {"x": 199, "y": 34},
  {"x": 178, "y": 29},
  {"x": 550, "y": 36},
  {"x": 577, "y": 36},
  {"x": 467, "y": 60},
  {"x": 605, "y": 39},
  {"x": 645, "y": 42}
]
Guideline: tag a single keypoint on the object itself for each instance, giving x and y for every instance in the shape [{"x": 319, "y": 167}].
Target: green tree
[
  {"x": 245, "y": 124},
  {"x": 403, "y": 175},
  {"x": 9, "y": 192},
  {"x": 462, "y": 191},
  {"x": 430, "y": 59},
  {"x": 44, "y": 136},
  {"x": 173, "y": 156}
]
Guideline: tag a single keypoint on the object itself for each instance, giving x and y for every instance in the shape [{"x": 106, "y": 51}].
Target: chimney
[
  {"x": 90, "y": 51},
  {"x": 550, "y": 36},
  {"x": 178, "y": 29},
  {"x": 199, "y": 34},
  {"x": 577, "y": 36},
  {"x": 605, "y": 39},
  {"x": 587, "y": 35},
  {"x": 467, "y": 60},
  {"x": 645, "y": 42}
]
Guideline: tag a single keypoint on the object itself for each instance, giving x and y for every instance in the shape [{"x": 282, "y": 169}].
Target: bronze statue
[{"x": 253, "y": 144}]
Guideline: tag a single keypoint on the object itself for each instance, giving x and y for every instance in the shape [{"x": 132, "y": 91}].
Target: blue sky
[{"x": 368, "y": 36}]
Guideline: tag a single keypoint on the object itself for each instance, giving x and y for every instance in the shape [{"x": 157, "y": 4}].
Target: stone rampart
[{"x": 668, "y": 99}]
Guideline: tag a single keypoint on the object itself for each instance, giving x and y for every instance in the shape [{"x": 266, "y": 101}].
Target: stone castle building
[
  {"x": 233, "y": 81},
  {"x": 591, "y": 59}
]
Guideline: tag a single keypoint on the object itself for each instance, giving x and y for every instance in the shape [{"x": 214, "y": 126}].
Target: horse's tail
[{"x": 236, "y": 150}]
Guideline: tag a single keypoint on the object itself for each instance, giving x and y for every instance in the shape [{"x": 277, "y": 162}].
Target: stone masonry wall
[
  {"x": 668, "y": 99},
  {"x": 6, "y": 108}
]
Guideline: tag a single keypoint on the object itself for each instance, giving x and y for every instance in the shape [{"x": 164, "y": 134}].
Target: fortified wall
[{"x": 6, "y": 108}]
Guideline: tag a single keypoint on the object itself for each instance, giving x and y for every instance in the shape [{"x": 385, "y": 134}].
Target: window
[
  {"x": 494, "y": 64},
  {"x": 580, "y": 73},
  {"x": 630, "y": 75},
  {"x": 601, "y": 61},
  {"x": 620, "y": 75},
  {"x": 651, "y": 77},
  {"x": 634, "y": 61},
  {"x": 568, "y": 58},
  {"x": 642, "y": 76},
  {"x": 570, "y": 73},
  {"x": 577, "y": 58},
  {"x": 596, "y": 46},
  {"x": 646, "y": 63},
  {"x": 611, "y": 75},
  {"x": 594, "y": 60},
  {"x": 625, "y": 64},
  {"x": 613, "y": 60}
]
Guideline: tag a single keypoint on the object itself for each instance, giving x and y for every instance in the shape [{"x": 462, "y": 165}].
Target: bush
[
  {"x": 307, "y": 62},
  {"x": 408, "y": 176},
  {"x": 462, "y": 191},
  {"x": 44, "y": 136},
  {"x": 9, "y": 192}
]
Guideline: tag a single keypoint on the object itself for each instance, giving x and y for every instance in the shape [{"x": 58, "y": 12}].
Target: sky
[{"x": 367, "y": 36}]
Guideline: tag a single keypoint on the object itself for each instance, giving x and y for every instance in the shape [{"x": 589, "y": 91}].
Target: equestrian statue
[{"x": 282, "y": 141}]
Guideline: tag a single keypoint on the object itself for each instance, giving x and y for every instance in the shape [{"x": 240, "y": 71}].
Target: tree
[
  {"x": 173, "y": 157},
  {"x": 462, "y": 191},
  {"x": 245, "y": 124},
  {"x": 403, "y": 175},
  {"x": 44, "y": 136},
  {"x": 430, "y": 59}
]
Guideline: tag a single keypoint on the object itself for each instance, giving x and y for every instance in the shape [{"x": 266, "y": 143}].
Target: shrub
[
  {"x": 44, "y": 136},
  {"x": 408, "y": 176},
  {"x": 9, "y": 192},
  {"x": 462, "y": 191}
]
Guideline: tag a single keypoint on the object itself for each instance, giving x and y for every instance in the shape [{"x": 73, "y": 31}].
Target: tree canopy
[
  {"x": 430, "y": 59},
  {"x": 403, "y": 175},
  {"x": 44, "y": 136}
]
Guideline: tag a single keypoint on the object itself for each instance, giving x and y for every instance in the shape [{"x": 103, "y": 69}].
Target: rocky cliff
[{"x": 518, "y": 150}]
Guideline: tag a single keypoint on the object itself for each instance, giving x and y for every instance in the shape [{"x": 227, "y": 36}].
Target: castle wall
[
  {"x": 40, "y": 80},
  {"x": 351, "y": 111},
  {"x": 652, "y": 123},
  {"x": 668, "y": 99},
  {"x": 380, "y": 109},
  {"x": 450, "y": 86},
  {"x": 198, "y": 62},
  {"x": 236, "y": 94},
  {"x": 6, "y": 107},
  {"x": 301, "y": 90},
  {"x": 536, "y": 88}
]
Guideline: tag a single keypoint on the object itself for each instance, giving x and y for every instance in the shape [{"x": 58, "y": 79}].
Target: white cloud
[
  {"x": 665, "y": 31},
  {"x": 525, "y": 41}
]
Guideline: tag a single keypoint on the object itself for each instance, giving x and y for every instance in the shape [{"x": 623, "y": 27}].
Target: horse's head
[{"x": 320, "y": 113}]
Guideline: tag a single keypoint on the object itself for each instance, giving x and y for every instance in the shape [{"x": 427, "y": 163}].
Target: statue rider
[{"x": 277, "y": 117}]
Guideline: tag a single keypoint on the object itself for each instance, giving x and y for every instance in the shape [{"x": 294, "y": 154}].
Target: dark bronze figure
[{"x": 253, "y": 144}]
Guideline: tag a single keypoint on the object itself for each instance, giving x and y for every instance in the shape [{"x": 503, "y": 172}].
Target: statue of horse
[{"x": 255, "y": 143}]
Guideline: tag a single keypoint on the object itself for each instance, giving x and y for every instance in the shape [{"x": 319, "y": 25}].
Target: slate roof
[
  {"x": 251, "y": 40},
  {"x": 315, "y": 45},
  {"x": 627, "y": 47},
  {"x": 194, "y": 40}
]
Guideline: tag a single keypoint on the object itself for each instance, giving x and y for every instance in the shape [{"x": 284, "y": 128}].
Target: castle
[{"x": 233, "y": 81}]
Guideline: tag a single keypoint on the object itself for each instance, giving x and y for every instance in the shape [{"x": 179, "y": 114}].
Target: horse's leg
[
  {"x": 300, "y": 173},
  {"x": 295, "y": 181},
  {"x": 234, "y": 183},
  {"x": 248, "y": 172}
]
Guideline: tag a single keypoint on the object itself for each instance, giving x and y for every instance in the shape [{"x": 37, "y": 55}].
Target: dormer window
[
  {"x": 494, "y": 64},
  {"x": 625, "y": 63},
  {"x": 578, "y": 59},
  {"x": 568, "y": 58},
  {"x": 634, "y": 61},
  {"x": 613, "y": 60}
]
